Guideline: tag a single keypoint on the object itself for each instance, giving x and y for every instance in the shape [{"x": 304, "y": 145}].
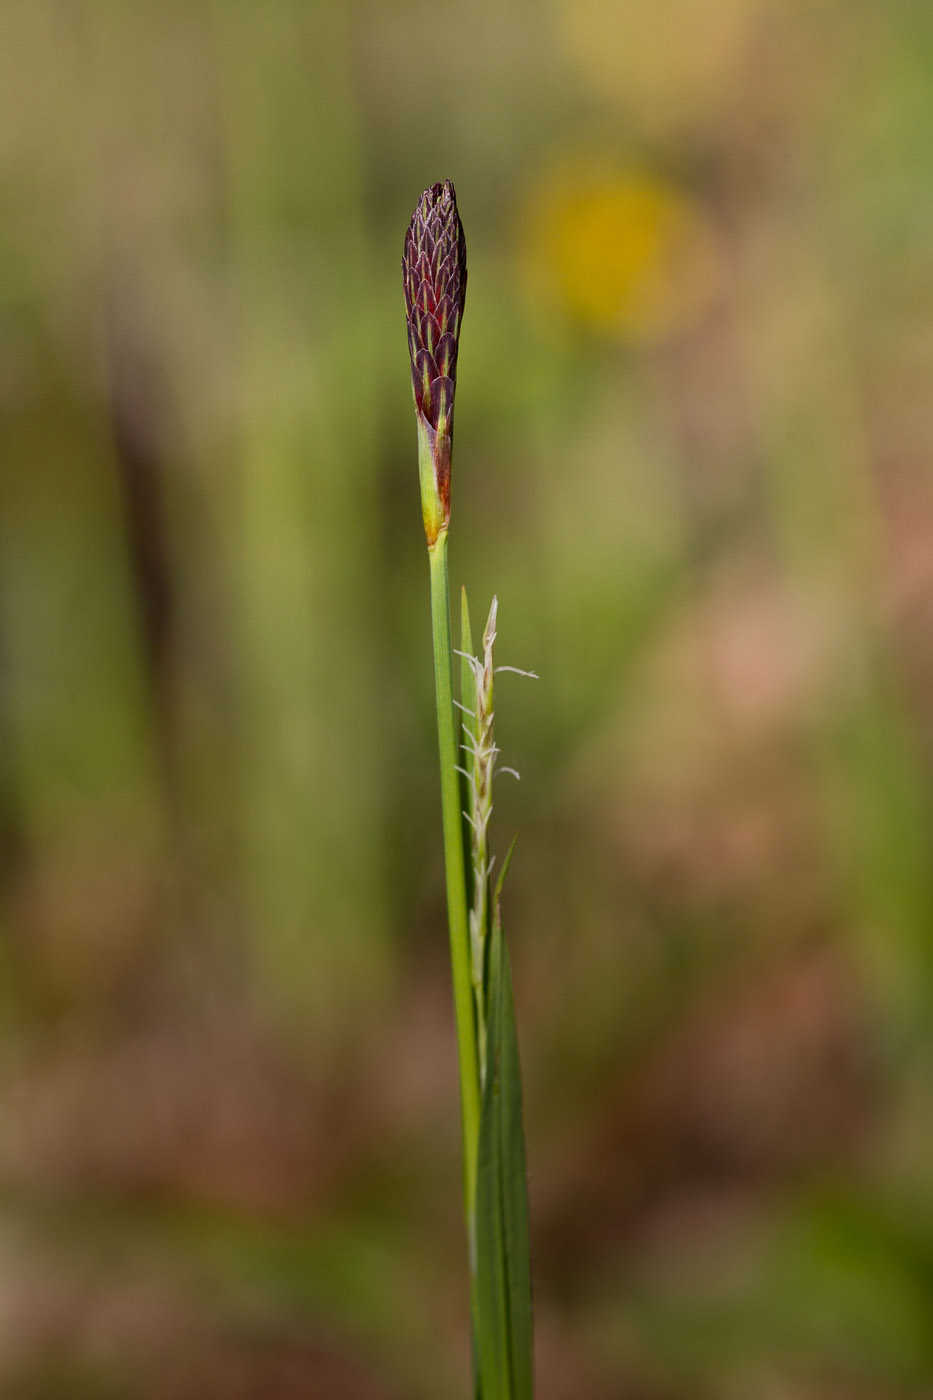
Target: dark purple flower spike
[{"x": 435, "y": 274}]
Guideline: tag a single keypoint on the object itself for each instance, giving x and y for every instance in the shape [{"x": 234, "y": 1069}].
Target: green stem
[{"x": 457, "y": 909}]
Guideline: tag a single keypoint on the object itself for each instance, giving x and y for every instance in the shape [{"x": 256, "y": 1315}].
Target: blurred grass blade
[{"x": 504, "y": 1321}]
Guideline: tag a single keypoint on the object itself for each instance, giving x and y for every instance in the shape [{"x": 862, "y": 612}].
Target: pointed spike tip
[{"x": 489, "y": 633}]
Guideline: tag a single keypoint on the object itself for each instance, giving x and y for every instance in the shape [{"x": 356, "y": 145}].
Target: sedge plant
[{"x": 494, "y": 1174}]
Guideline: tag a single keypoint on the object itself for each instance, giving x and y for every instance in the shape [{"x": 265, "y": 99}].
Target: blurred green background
[{"x": 693, "y": 461}]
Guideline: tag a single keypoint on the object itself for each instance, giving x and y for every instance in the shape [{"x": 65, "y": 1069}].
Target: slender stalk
[{"x": 457, "y": 909}]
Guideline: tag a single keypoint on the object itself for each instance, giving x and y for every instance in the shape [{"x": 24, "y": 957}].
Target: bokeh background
[{"x": 693, "y": 461}]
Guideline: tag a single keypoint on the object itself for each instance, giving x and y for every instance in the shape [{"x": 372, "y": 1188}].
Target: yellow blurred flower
[{"x": 627, "y": 254}]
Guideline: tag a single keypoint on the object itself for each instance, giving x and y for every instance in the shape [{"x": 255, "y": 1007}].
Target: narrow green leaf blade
[
  {"x": 504, "y": 1331},
  {"x": 497, "y": 893},
  {"x": 514, "y": 1171},
  {"x": 492, "y": 1295}
]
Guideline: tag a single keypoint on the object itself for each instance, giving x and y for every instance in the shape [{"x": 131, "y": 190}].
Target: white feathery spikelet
[{"x": 480, "y": 754}]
